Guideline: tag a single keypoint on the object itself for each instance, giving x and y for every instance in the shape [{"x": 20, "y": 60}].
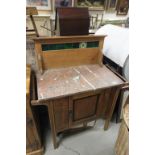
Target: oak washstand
[{"x": 73, "y": 83}]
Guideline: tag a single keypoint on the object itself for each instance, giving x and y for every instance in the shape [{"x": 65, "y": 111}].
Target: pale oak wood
[
  {"x": 71, "y": 57},
  {"x": 33, "y": 142},
  {"x": 68, "y": 57},
  {"x": 77, "y": 75}
]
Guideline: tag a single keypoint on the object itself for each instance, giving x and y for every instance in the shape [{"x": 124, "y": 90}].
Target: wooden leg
[
  {"x": 106, "y": 125},
  {"x": 85, "y": 124},
  {"x": 119, "y": 106},
  {"x": 34, "y": 25},
  {"x": 111, "y": 108},
  {"x": 52, "y": 123}
]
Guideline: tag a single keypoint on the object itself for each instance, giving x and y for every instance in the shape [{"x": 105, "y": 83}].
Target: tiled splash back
[{"x": 47, "y": 47}]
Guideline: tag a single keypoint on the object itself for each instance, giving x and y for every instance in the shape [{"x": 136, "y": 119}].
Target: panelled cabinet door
[{"x": 83, "y": 109}]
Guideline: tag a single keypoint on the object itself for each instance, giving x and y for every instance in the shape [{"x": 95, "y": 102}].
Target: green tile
[
  {"x": 47, "y": 47},
  {"x": 92, "y": 44}
]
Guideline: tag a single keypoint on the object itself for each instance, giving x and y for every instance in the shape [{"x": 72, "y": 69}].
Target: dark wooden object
[
  {"x": 33, "y": 142},
  {"x": 74, "y": 84},
  {"x": 72, "y": 21},
  {"x": 32, "y": 11},
  {"x": 122, "y": 7}
]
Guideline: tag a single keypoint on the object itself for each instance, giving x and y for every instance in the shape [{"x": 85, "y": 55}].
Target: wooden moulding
[
  {"x": 72, "y": 39},
  {"x": 126, "y": 83},
  {"x": 68, "y": 57}
]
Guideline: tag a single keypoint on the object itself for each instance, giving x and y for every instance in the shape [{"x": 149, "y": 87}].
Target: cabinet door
[{"x": 82, "y": 109}]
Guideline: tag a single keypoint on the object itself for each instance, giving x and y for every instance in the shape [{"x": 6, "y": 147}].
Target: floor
[{"x": 93, "y": 141}]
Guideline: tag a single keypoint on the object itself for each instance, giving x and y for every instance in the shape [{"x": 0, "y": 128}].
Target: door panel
[{"x": 83, "y": 109}]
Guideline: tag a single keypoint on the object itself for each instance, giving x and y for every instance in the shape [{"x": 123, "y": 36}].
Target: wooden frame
[{"x": 40, "y": 4}]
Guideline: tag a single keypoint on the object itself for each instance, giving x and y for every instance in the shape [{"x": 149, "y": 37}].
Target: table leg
[
  {"x": 106, "y": 125},
  {"x": 111, "y": 108},
  {"x": 85, "y": 124},
  {"x": 52, "y": 124}
]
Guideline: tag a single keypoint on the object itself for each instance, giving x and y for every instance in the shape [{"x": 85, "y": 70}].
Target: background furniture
[
  {"x": 95, "y": 22},
  {"x": 72, "y": 21},
  {"x": 116, "y": 55},
  {"x": 30, "y": 54},
  {"x": 33, "y": 141},
  {"x": 40, "y": 20},
  {"x": 121, "y": 23},
  {"x": 122, "y": 143},
  {"x": 73, "y": 83},
  {"x": 110, "y": 5},
  {"x": 116, "y": 46},
  {"x": 122, "y": 7},
  {"x": 32, "y": 11}
]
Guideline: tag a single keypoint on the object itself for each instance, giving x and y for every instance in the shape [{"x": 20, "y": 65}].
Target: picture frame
[
  {"x": 122, "y": 7},
  {"x": 96, "y": 5},
  {"x": 40, "y": 4},
  {"x": 63, "y": 3},
  {"x": 110, "y": 5}
]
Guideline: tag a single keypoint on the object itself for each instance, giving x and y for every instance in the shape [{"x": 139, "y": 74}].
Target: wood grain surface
[
  {"x": 67, "y": 57},
  {"x": 33, "y": 142},
  {"x": 62, "y": 82}
]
